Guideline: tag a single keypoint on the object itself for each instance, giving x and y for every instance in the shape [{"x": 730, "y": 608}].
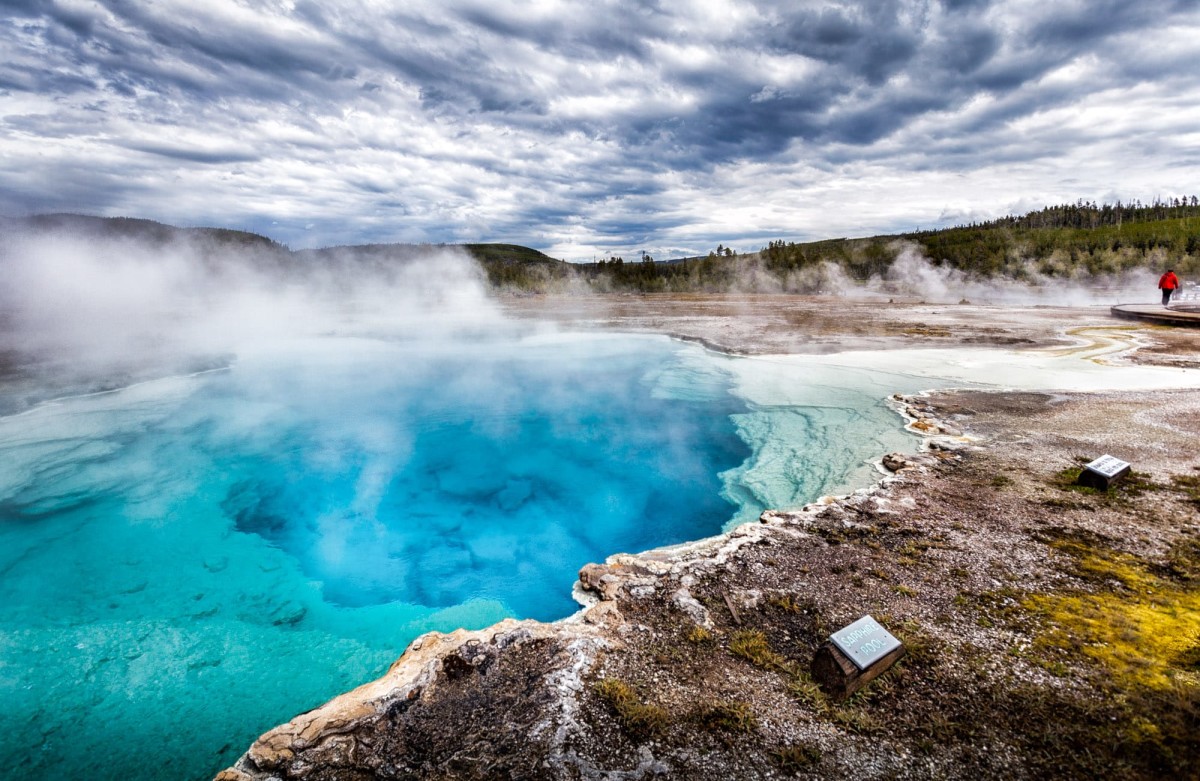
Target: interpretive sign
[
  {"x": 853, "y": 657},
  {"x": 1103, "y": 472},
  {"x": 864, "y": 642}
]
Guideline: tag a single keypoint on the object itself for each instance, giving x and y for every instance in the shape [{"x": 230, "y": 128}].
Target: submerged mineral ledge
[{"x": 1025, "y": 603}]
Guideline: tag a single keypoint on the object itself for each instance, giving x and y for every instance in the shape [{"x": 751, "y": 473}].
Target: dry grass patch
[{"x": 641, "y": 720}]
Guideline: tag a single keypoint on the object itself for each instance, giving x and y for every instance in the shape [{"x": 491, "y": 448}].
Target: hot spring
[{"x": 188, "y": 561}]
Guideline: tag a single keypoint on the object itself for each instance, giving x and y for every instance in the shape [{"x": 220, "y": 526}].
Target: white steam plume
[
  {"x": 914, "y": 275},
  {"x": 101, "y": 302}
]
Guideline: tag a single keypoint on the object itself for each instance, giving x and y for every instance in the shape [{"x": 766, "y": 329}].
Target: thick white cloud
[{"x": 610, "y": 127}]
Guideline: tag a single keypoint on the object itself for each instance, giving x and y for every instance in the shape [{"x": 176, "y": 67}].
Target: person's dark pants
[{"x": 1167, "y": 295}]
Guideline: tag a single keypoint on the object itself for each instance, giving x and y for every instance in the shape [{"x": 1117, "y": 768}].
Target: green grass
[
  {"x": 1130, "y": 629},
  {"x": 792, "y": 759},
  {"x": 735, "y": 717},
  {"x": 752, "y": 646},
  {"x": 641, "y": 720},
  {"x": 786, "y": 603}
]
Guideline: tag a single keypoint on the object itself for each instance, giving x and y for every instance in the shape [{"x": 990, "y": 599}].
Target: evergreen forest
[{"x": 1082, "y": 242}]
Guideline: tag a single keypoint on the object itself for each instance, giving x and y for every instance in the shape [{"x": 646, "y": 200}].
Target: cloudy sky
[{"x": 591, "y": 128}]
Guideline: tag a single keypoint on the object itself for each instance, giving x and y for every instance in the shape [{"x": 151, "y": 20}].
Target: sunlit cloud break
[{"x": 589, "y": 130}]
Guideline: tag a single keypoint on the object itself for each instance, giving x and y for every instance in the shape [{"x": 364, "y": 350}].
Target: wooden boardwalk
[{"x": 1186, "y": 313}]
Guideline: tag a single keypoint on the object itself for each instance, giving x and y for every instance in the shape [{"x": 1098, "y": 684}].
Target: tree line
[{"x": 1078, "y": 240}]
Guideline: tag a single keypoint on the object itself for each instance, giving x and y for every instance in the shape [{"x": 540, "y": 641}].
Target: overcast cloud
[{"x": 586, "y": 129}]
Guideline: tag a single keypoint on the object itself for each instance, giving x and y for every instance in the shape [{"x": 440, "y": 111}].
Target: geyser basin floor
[{"x": 186, "y": 562}]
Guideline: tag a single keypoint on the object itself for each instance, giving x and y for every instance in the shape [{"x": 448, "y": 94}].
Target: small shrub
[
  {"x": 639, "y": 719},
  {"x": 727, "y": 717},
  {"x": 785, "y": 602},
  {"x": 752, "y": 646},
  {"x": 1183, "y": 561},
  {"x": 919, "y": 647},
  {"x": 1189, "y": 485},
  {"x": 859, "y": 721},
  {"x": 797, "y": 757},
  {"x": 805, "y": 690}
]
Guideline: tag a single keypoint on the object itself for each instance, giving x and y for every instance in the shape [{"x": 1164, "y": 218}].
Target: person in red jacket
[{"x": 1168, "y": 283}]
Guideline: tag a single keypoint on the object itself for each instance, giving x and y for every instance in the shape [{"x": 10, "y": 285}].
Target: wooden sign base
[{"x": 839, "y": 677}]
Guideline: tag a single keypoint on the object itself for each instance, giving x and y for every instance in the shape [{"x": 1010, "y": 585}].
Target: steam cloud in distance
[
  {"x": 93, "y": 310},
  {"x": 913, "y": 274}
]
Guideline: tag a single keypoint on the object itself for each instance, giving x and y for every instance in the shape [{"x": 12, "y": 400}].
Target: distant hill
[
  {"x": 507, "y": 265},
  {"x": 141, "y": 230},
  {"x": 1076, "y": 241},
  {"x": 522, "y": 268}
]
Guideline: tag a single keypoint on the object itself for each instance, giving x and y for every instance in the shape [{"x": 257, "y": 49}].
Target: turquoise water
[{"x": 187, "y": 562}]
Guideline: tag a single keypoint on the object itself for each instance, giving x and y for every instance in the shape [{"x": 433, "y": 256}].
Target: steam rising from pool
[
  {"x": 189, "y": 561},
  {"x": 193, "y": 558},
  {"x": 491, "y": 471}
]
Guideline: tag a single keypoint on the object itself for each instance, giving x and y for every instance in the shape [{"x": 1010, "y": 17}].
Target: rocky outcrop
[{"x": 504, "y": 693}]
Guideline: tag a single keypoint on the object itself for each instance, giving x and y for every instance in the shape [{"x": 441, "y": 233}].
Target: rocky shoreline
[
  {"x": 1052, "y": 631},
  {"x": 691, "y": 662}
]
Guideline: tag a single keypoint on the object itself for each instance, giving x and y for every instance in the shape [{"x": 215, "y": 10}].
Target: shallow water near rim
[{"x": 187, "y": 562}]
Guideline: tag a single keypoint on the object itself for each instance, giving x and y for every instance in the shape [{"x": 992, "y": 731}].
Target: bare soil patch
[{"x": 760, "y": 324}]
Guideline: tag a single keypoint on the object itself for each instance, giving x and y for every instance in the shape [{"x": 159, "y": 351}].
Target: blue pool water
[{"x": 187, "y": 562}]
